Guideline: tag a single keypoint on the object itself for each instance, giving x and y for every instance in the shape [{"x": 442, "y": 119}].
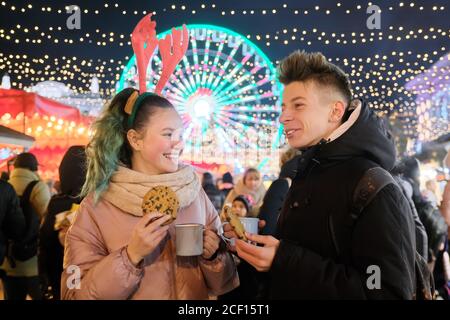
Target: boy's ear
[
  {"x": 337, "y": 111},
  {"x": 134, "y": 139}
]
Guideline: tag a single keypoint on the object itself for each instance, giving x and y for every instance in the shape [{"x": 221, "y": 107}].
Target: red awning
[
  {"x": 12, "y": 137},
  {"x": 16, "y": 101}
]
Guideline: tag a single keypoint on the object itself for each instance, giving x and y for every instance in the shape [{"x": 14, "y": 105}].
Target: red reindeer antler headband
[{"x": 144, "y": 42}]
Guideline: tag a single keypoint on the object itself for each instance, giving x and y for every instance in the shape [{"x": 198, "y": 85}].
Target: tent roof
[
  {"x": 16, "y": 101},
  {"x": 10, "y": 136}
]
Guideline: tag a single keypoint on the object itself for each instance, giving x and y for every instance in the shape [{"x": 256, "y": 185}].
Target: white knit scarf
[{"x": 127, "y": 187}]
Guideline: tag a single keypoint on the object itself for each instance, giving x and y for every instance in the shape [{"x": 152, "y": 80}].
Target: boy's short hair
[
  {"x": 26, "y": 160},
  {"x": 303, "y": 66}
]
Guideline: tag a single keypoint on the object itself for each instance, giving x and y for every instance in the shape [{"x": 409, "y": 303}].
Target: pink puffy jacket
[{"x": 95, "y": 249}]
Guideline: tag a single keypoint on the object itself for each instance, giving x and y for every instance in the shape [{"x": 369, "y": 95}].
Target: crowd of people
[{"x": 342, "y": 204}]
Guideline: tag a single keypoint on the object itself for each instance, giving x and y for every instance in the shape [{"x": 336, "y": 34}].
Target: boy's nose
[{"x": 284, "y": 117}]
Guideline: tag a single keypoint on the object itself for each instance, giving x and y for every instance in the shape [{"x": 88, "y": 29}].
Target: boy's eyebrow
[
  {"x": 298, "y": 98},
  {"x": 294, "y": 99}
]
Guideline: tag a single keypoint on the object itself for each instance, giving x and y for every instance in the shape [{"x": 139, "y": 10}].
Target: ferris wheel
[{"x": 226, "y": 91}]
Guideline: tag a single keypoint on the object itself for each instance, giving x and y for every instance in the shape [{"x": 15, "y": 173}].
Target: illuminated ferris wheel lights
[
  {"x": 202, "y": 108},
  {"x": 224, "y": 88}
]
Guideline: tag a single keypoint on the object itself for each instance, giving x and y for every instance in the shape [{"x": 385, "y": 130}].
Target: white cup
[
  {"x": 189, "y": 239},
  {"x": 250, "y": 224}
]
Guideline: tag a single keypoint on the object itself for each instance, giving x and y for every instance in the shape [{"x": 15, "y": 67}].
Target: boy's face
[
  {"x": 309, "y": 113},
  {"x": 238, "y": 208}
]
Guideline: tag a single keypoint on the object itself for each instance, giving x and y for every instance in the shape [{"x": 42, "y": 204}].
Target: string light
[{"x": 379, "y": 80}]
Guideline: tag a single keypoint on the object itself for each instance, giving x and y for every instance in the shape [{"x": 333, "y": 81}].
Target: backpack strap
[
  {"x": 29, "y": 188},
  {"x": 24, "y": 201},
  {"x": 373, "y": 180},
  {"x": 367, "y": 188},
  {"x": 425, "y": 285}
]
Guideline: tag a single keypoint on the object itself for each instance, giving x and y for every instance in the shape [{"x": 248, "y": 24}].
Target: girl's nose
[{"x": 179, "y": 145}]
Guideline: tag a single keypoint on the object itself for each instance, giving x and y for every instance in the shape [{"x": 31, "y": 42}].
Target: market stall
[{"x": 53, "y": 125}]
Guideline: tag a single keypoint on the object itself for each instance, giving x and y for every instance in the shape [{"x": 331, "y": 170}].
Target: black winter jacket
[
  {"x": 272, "y": 204},
  {"x": 12, "y": 220},
  {"x": 51, "y": 252},
  {"x": 321, "y": 254}
]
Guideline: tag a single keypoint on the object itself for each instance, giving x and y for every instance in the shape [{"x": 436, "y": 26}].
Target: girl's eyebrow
[{"x": 171, "y": 128}]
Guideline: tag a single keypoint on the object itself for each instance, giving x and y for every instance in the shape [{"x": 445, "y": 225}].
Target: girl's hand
[
  {"x": 146, "y": 236},
  {"x": 210, "y": 243}
]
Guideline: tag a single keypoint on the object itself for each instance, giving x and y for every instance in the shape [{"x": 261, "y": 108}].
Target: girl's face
[
  {"x": 252, "y": 181},
  {"x": 160, "y": 145},
  {"x": 239, "y": 209}
]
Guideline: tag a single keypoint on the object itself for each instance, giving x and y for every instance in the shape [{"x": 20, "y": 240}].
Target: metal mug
[{"x": 189, "y": 239}]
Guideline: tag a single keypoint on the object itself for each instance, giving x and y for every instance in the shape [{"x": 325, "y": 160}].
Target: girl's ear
[{"x": 134, "y": 139}]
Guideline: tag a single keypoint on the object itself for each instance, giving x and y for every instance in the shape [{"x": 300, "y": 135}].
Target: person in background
[
  {"x": 214, "y": 195},
  {"x": 407, "y": 189},
  {"x": 12, "y": 220},
  {"x": 251, "y": 186},
  {"x": 72, "y": 175},
  {"x": 248, "y": 276},
  {"x": 433, "y": 222},
  {"x": 226, "y": 184},
  {"x": 445, "y": 211},
  {"x": 275, "y": 195},
  {"x": 241, "y": 206},
  {"x": 57, "y": 186},
  {"x": 430, "y": 216},
  {"x": 51, "y": 186},
  {"x": 445, "y": 204},
  {"x": 431, "y": 192},
  {"x": 25, "y": 171},
  {"x": 4, "y": 176},
  {"x": 23, "y": 277}
]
